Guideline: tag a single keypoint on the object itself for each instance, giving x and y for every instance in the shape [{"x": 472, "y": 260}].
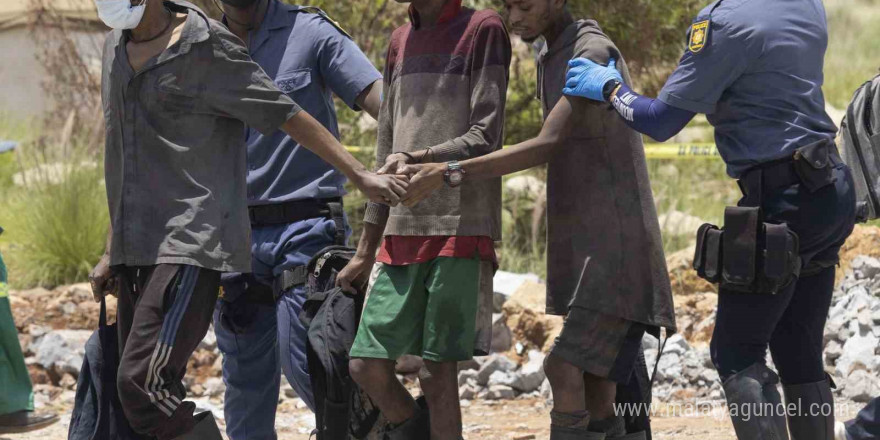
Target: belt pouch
[
  {"x": 739, "y": 248},
  {"x": 781, "y": 263},
  {"x": 813, "y": 166},
  {"x": 714, "y": 247},
  {"x": 708, "y": 253}
]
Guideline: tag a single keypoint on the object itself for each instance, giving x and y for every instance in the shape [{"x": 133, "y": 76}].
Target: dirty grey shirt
[
  {"x": 175, "y": 153},
  {"x": 604, "y": 247}
]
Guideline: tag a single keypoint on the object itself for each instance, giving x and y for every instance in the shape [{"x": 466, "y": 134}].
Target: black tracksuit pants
[{"x": 164, "y": 312}]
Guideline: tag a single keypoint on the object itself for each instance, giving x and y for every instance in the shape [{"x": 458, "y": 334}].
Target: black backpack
[
  {"x": 342, "y": 410},
  {"x": 860, "y": 147},
  {"x": 97, "y": 412}
]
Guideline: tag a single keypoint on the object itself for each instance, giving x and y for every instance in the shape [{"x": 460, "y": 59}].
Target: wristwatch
[
  {"x": 454, "y": 174},
  {"x": 609, "y": 88}
]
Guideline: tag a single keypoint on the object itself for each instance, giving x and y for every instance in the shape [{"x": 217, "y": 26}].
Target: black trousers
[
  {"x": 163, "y": 314},
  {"x": 791, "y": 322}
]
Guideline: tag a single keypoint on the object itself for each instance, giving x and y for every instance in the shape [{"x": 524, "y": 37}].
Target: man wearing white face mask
[{"x": 178, "y": 90}]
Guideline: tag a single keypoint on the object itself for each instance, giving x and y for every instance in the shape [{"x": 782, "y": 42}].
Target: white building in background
[{"x": 21, "y": 74}]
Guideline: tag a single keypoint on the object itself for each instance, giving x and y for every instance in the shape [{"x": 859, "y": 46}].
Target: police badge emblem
[{"x": 698, "y": 36}]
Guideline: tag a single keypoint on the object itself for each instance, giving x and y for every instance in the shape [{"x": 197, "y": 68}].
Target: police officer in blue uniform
[
  {"x": 755, "y": 69},
  {"x": 295, "y": 203}
]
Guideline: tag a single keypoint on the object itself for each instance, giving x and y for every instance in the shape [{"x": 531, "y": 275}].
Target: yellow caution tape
[
  {"x": 652, "y": 151},
  {"x": 682, "y": 151}
]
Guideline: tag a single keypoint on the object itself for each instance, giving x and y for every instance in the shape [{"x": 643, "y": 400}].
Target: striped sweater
[{"x": 445, "y": 88}]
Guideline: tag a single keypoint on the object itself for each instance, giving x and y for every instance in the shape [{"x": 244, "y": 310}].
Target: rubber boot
[
  {"x": 755, "y": 405},
  {"x": 205, "y": 429},
  {"x": 807, "y": 399},
  {"x": 641, "y": 435},
  {"x": 417, "y": 427}
]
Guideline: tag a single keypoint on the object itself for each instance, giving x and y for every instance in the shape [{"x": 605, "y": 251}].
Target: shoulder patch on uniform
[
  {"x": 699, "y": 36},
  {"x": 320, "y": 12}
]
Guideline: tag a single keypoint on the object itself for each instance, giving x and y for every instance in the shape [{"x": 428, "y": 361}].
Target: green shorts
[{"x": 426, "y": 309}]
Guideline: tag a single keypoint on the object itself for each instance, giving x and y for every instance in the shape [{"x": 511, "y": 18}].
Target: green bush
[
  {"x": 853, "y": 55},
  {"x": 56, "y": 221}
]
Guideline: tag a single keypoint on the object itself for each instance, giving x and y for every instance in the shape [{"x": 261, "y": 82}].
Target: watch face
[{"x": 455, "y": 178}]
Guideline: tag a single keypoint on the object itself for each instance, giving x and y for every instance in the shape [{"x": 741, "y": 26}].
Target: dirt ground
[{"x": 484, "y": 420}]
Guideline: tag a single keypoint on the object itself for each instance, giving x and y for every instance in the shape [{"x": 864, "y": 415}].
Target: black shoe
[
  {"x": 25, "y": 421},
  {"x": 205, "y": 429},
  {"x": 418, "y": 427}
]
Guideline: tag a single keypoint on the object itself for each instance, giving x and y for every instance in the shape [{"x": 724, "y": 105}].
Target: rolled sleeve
[
  {"x": 701, "y": 78},
  {"x": 345, "y": 67},
  {"x": 242, "y": 90}
]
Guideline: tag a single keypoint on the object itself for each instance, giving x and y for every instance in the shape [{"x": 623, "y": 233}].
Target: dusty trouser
[
  {"x": 592, "y": 355},
  {"x": 164, "y": 312}
]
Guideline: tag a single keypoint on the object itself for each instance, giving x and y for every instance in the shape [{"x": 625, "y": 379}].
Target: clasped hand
[{"x": 424, "y": 178}]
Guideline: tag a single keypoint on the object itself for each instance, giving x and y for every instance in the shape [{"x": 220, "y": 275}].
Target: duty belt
[
  {"x": 771, "y": 176},
  {"x": 290, "y": 212}
]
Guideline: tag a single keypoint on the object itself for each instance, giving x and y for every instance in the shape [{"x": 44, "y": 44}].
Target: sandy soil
[{"x": 507, "y": 420}]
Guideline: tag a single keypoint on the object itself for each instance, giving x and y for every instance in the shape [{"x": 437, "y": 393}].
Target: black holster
[{"x": 748, "y": 255}]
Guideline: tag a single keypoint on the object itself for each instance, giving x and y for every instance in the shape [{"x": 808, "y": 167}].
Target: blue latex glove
[{"x": 586, "y": 78}]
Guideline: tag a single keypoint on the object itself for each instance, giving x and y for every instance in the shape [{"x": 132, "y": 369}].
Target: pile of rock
[
  {"x": 852, "y": 334},
  {"x": 497, "y": 377},
  {"x": 684, "y": 372}
]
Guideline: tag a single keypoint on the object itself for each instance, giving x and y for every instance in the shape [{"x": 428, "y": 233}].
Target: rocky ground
[{"x": 505, "y": 395}]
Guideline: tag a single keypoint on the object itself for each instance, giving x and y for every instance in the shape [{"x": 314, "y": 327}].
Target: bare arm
[
  {"x": 530, "y": 153},
  {"x": 371, "y": 99},
  {"x": 353, "y": 278},
  {"x": 427, "y": 178},
  {"x": 308, "y": 132}
]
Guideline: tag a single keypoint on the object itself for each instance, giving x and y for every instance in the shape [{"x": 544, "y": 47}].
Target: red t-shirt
[{"x": 399, "y": 250}]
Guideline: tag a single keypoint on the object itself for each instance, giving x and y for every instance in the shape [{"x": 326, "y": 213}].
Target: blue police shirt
[
  {"x": 755, "y": 69},
  {"x": 308, "y": 57}
]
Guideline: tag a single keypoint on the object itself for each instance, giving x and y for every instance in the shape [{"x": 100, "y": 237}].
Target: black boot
[
  {"x": 417, "y": 427},
  {"x": 750, "y": 392},
  {"x": 564, "y": 433},
  {"x": 205, "y": 429},
  {"x": 25, "y": 421},
  {"x": 615, "y": 429},
  {"x": 810, "y": 398},
  {"x": 641, "y": 435}
]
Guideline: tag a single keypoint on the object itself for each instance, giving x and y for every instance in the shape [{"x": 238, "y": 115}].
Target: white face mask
[{"x": 120, "y": 14}]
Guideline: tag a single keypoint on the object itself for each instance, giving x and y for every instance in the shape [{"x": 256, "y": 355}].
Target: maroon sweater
[{"x": 445, "y": 88}]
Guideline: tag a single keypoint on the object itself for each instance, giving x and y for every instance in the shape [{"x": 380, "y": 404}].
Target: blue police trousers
[
  {"x": 792, "y": 321},
  {"x": 259, "y": 337}
]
